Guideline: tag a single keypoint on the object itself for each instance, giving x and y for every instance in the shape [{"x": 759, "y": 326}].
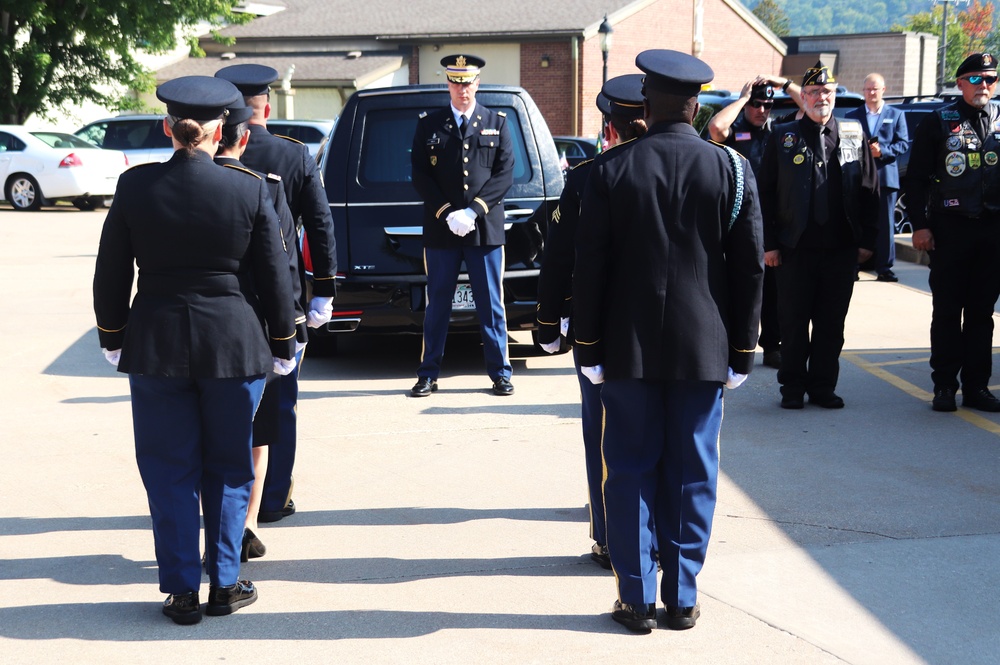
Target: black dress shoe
[
  {"x": 772, "y": 359},
  {"x": 944, "y": 399},
  {"x": 183, "y": 608},
  {"x": 637, "y": 618},
  {"x": 275, "y": 515},
  {"x": 682, "y": 618},
  {"x": 827, "y": 401},
  {"x": 981, "y": 399},
  {"x": 792, "y": 402},
  {"x": 887, "y": 276},
  {"x": 424, "y": 387},
  {"x": 252, "y": 547},
  {"x": 223, "y": 600},
  {"x": 503, "y": 387},
  {"x": 599, "y": 553}
]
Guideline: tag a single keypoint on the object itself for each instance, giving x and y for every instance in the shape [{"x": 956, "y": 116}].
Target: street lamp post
[{"x": 605, "y": 31}]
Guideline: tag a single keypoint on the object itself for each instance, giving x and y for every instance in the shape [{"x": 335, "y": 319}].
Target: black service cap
[
  {"x": 977, "y": 62},
  {"x": 674, "y": 72},
  {"x": 197, "y": 97},
  {"x": 624, "y": 95},
  {"x": 238, "y": 112},
  {"x": 251, "y": 79}
]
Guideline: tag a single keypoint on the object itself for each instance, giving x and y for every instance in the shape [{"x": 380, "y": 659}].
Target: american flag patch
[
  {"x": 950, "y": 203},
  {"x": 742, "y": 136}
]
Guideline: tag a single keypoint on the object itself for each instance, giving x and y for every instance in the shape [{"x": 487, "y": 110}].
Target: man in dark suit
[
  {"x": 885, "y": 130},
  {"x": 463, "y": 165},
  {"x": 666, "y": 299},
  {"x": 819, "y": 197},
  {"x": 306, "y": 197}
]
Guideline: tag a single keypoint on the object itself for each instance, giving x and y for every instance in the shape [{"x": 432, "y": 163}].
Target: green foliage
[
  {"x": 61, "y": 53},
  {"x": 772, "y": 16}
]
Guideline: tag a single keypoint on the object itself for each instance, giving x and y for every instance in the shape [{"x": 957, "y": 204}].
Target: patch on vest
[
  {"x": 788, "y": 140},
  {"x": 974, "y": 160},
  {"x": 953, "y": 142},
  {"x": 798, "y": 159},
  {"x": 990, "y": 158},
  {"x": 954, "y": 164}
]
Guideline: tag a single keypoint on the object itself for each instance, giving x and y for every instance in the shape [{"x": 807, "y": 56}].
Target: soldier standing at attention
[{"x": 463, "y": 165}]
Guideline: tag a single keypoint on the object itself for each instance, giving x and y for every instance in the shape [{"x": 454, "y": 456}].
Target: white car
[
  {"x": 41, "y": 166},
  {"x": 310, "y": 132}
]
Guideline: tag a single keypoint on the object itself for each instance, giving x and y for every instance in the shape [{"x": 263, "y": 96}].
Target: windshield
[{"x": 59, "y": 140}]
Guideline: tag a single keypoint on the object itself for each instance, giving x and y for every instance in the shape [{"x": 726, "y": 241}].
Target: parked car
[
  {"x": 37, "y": 167},
  {"x": 310, "y": 132},
  {"x": 140, "y": 137},
  {"x": 575, "y": 149},
  {"x": 713, "y": 101},
  {"x": 378, "y": 214}
]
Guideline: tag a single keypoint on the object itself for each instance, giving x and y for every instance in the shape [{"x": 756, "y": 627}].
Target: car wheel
[
  {"x": 23, "y": 193},
  {"x": 901, "y": 219},
  {"x": 564, "y": 346}
]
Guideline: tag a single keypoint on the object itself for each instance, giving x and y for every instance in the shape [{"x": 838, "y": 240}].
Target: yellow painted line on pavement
[{"x": 876, "y": 370}]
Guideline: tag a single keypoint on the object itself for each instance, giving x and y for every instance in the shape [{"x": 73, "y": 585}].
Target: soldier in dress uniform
[
  {"x": 307, "y": 200},
  {"x": 621, "y": 103},
  {"x": 212, "y": 271},
  {"x": 953, "y": 197},
  {"x": 819, "y": 196},
  {"x": 666, "y": 304},
  {"x": 463, "y": 165},
  {"x": 266, "y": 422}
]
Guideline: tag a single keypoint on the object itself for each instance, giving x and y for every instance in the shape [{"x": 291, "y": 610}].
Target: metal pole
[
  {"x": 604, "y": 78},
  {"x": 944, "y": 45}
]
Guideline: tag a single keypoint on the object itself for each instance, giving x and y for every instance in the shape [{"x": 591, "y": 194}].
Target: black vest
[{"x": 966, "y": 178}]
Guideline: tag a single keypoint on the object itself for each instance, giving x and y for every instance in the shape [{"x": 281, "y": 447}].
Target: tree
[
  {"x": 772, "y": 16},
  {"x": 63, "y": 52},
  {"x": 930, "y": 22},
  {"x": 977, "y": 24}
]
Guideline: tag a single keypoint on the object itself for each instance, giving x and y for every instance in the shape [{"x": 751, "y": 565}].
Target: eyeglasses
[
  {"x": 817, "y": 92},
  {"x": 979, "y": 80},
  {"x": 757, "y": 104}
]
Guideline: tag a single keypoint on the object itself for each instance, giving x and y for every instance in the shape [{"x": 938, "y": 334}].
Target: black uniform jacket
[
  {"x": 289, "y": 237},
  {"x": 211, "y": 272},
  {"x": 453, "y": 172},
  {"x": 306, "y": 196},
  {"x": 663, "y": 288},
  {"x": 555, "y": 279}
]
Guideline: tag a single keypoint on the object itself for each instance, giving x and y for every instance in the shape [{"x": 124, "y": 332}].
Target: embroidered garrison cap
[
  {"x": 818, "y": 74},
  {"x": 673, "y": 72},
  {"x": 462, "y": 68},
  {"x": 238, "y": 112},
  {"x": 624, "y": 95},
  {"x": 977, "y": 62},
  {"x": 197, "y": 97},
  {"x": 251, "y": 79}
]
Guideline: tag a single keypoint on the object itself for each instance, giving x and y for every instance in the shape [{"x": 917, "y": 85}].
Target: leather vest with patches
[{"x": 966, "y": 178}]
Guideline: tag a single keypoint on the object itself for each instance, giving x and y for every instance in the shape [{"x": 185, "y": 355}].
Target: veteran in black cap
[
  {"x": 819, "y": 196},
  {"x": 622, "y": 103},
  {"x": 463, "y": 165},
  {"x": 953, "y": 199},
  {"x": 212, "y": 272},
  {"x": 290, "y": 160},
  {"x": 666, "y": 304}
]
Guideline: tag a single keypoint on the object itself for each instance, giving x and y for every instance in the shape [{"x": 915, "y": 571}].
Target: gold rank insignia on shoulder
[
  {"x": 289, "y": 138},
  {"x": 242, "y": 169},
  {"x": 423, "y": 114},
  {"x": 132, "y": 168}
]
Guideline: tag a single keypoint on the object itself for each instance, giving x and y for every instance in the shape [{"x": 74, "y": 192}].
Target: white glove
[
  {"x": 283, "y": 367},
  {"x": 552, "y": 347},
  {"x": 462, "y": 222},
  {"x": 320, "y": 310},
  {"x": 113, "y": 356},
  {"x": 733, "y": 379},
  {"x": 564, "y": 326},
  {"x": 595, "y": 374},
  {"x": 454, "y": 225}
]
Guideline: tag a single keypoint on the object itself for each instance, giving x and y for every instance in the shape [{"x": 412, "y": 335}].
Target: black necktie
[
  {"x": 821, "y": 200},
  {"x": 462, "y": 125}
]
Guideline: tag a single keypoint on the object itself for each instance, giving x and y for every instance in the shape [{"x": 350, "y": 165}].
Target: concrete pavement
[{"x": 453, "y": 529}]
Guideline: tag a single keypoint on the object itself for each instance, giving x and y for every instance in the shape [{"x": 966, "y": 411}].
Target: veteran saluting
[{"x": 463, "y": 165}]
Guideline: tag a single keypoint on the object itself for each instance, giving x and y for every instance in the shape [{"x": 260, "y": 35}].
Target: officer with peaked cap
[
  {"x": 953, "y": 198},
  {"x": 621, "y": 101},
  {"x": 266, "y": 422},
  {"x": 463, "y": 165},
  {"x": 819, "y": 196},
  {"x": 666, "y": 304},
  {"x": 212, "y": 270},
  {"x": 306, "y": 197}
]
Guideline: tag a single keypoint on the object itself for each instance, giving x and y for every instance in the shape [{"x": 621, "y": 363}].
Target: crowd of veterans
[{"x": 668, "y": 260}]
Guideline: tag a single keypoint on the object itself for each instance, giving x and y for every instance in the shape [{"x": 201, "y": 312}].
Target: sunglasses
[
  {"x": 977, "y": 80},
  {"x": 761, "y": 105}
]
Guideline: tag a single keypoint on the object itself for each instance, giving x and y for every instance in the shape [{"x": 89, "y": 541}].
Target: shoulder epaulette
[
  {"x": 579, "y": 164},
  {"x": 423, "y": 114},
  {"x": 132, "y": 168},
  {"x": 617, "y": 145},
  {"x": 243, "y": 169},
  {"x": 273, "y": 177},
  {"x": 502, "y": 114},
  {"x": 289, "y": 138}
]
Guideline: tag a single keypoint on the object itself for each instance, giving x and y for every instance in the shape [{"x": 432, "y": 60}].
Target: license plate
[{"x": 463, "y": 297}]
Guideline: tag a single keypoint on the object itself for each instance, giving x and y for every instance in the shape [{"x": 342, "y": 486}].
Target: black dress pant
[
  {"x": 770, "y": 338},
  {"x": 965, "y": 283},
  {"x": 814, "y": 288}
]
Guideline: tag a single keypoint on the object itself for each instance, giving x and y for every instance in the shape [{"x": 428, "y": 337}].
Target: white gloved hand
[
  {"x": 564, "y": 326},
  {"x": 113, "y": 356},
  {"x": 467, "y": 219},
  {"x": 733, "y": 379},
  {"x": 454, "y": 225},
  {"x": 283, "y": 367},
  {"x": 552, "y": 347},
  {"x": 320, "y": 310},
  {"x": 595, "y": 373}
]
